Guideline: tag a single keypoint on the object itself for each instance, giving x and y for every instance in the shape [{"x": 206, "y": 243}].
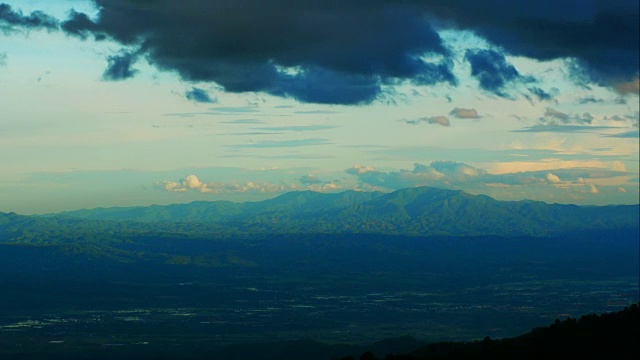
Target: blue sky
[{"x": 122, "y": 103}]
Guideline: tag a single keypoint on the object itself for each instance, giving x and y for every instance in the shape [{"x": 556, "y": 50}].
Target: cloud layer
[
  {"x": 193, "y": 183},
  {"x": 347, "y": 52},
  {"x": 450, "y": 174}
]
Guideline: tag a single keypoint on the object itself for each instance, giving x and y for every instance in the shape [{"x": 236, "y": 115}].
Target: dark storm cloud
[
  {"x": 199, "y": 95},
  {"x": 493, "y": 71},
  {"x": 602, "y": 35},
  {"x": 11, "y": 19},
  {"x": 345, "y": 52},
  {"x": 80, "y": 25},
  {"x": 342, "y": 52},
  {"x": 119, "y": 67}
]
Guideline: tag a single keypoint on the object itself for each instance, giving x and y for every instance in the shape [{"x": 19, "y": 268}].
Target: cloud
[
  {"x": 80, "y": 25},
  {"x": 358, "y": 169},
  {"x": 235, "y": 109},
  {"x": 191, "y": 183},
  {"x": 493, "y": 71},
  {"x": 551, "y": 115},
  {"x": 602, "y": 36},
  {"x": 625, "y": 88},
  {"x": 634, "y": 134},
  {"x": 3, "y": 58},
  {"x": 461, "y": 113},
  {"x": 245, "y": 121},
  {"x": 297, "y": 128},
  {"x": 555, "y": 128},
  {"x": 615, "y": 118},
  {"x": 560, "y": 166},
  {"x": 119, "y": 67},
  {"x": 439, "y": 120},
  {"x": 590, "y": 99},
  {"x": 310, "y": 179},
  {"x": 540, "y": 94},
  {"x": 554, "y": 179},
  {"x": 284, "y": 143},
  {"x": 557, "y": 121},
  {"x": 349, "y": 52},
  {"x": 199, "y": 95},
  {"x": 320, "y": 52},
  {"x": 12, "y": 20},
  {"x": 555, "y": 114},
  {"x": 449, "y": 174}
]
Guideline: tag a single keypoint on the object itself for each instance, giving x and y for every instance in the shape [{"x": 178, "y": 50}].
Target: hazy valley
[{"x": 349, "y": 268}]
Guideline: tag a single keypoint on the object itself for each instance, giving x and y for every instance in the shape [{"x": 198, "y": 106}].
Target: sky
[{"x": 136, "y": 102}]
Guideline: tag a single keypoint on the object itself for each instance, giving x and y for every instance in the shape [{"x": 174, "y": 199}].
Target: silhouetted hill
[
  {"x": 607, "y": 336},
  {"x": 416, "y": 211}
]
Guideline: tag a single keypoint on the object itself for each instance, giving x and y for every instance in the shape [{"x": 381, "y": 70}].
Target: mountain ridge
[{"x": 421, "y": 210}]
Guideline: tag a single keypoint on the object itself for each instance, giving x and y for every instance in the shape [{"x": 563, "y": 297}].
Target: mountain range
[{"x": 417, "y": 211}]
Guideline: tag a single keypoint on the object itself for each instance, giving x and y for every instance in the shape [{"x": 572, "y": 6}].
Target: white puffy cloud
[
  {"x": 554, "y": 179},
  {"x": 359, "y": 169},
  {"x": 193, "y": 183}
]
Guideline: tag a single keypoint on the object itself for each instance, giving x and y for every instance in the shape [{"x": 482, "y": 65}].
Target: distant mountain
[{"x": 418, "y": 211}]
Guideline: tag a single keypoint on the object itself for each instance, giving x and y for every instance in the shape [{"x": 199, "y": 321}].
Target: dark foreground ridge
[{"x": 607, "y": 336}]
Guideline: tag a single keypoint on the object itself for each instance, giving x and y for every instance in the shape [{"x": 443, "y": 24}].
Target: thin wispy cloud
[
  {"x": 234, "y": 110},
  {"x": 625, "y": 135},
  {"x": 245, "y": 121},
  {"x": 555, "y": 128},
  {"x": 433, "y": 120},
  {"x": 298, "y": 128},
  {"x": 284, "y": 143}
]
